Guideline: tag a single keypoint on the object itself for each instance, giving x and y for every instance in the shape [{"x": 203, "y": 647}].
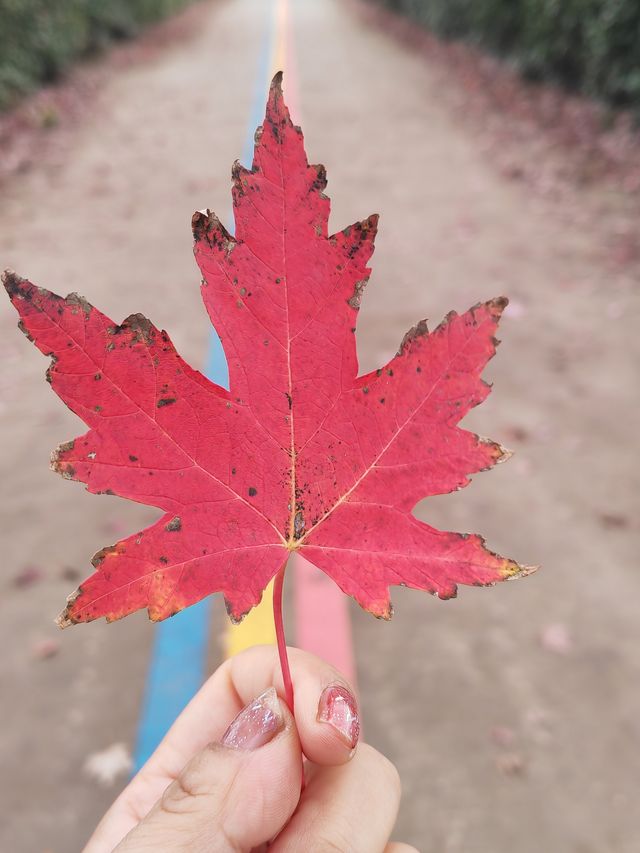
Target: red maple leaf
[{"x": 302, "y": 454}]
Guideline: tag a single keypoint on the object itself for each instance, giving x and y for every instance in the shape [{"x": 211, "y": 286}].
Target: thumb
[{"x": 234, "y": 795}]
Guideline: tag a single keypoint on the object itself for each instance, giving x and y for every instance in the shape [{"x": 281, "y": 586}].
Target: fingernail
[
  {"x": 337, "y": 706},
  {"x": 256, "y": 724}
]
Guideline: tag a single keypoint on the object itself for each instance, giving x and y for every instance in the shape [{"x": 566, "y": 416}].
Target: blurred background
[{"x": 499, "y": 141}]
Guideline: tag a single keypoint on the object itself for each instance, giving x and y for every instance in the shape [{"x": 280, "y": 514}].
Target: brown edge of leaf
[
  {"x": 206, "y": 227},
  {"x": 65, "y": 619},
  {"x": 496, "y": 306},
  {"x": 12, "y": 281}
]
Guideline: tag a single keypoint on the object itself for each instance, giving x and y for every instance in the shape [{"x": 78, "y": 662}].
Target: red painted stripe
[
  {"x": 322, "y": 623},
  {"x": 322, "y": 618}
]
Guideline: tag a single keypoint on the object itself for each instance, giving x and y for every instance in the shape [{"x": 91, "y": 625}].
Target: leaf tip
[
  {"x": 100, "y": 556},
  {"x": 236, "y": 618},
  {"x": 502, "y": 454},
  {"x": 63, "y": 621},
  {"x": 57, "y": 464},
  {"x": 277, "y": 113},
  {"x": 66, "y": 618},
  {"x": 496, "y": 306},
  {"x": 141, "y": 329},
  {"x": 16, "y": 286},
  {"x": 206, "y": 227},
  {"x": 200, "y": 222},
  {"x": 420, "y": 330},
  {"x": 512, "y": 570},
  {"x": 371, "y": 223},
  {"x": 10, "y": 281},
  {"x": 382, "y": 609}
]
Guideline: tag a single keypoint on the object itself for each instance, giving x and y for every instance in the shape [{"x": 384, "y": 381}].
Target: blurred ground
[{"x": 513, "y": 714}]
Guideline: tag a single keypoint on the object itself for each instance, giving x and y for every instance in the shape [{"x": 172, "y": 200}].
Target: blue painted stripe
[
  {"x": 176, "y": 671},
  {"x": 178, "y": 662}
]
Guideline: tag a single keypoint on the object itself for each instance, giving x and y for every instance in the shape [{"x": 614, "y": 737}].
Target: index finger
[
  {"x": 325, "y": 712},
  {"x": 325, "y": 705}
]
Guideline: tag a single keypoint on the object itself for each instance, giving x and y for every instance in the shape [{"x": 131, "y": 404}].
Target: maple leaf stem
[{"x": 282, "y": 645}]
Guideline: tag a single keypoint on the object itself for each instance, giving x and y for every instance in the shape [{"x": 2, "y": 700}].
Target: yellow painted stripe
[{"x": 258, "y": 627}]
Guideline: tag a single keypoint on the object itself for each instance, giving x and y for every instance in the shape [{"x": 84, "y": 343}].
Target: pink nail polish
[
  {"x": 256, "y": 724},
  {"x": 337, "y": 706}
]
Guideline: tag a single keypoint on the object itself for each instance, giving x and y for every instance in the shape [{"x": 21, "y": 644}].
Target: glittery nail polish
[
  {"x": 257, "y": 723},
  {"x": 337, "y": 706}
]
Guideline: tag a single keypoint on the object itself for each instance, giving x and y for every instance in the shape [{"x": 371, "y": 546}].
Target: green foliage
[
  {"x": 592, "y": 46},
  {"x": 40, "y": 38}
]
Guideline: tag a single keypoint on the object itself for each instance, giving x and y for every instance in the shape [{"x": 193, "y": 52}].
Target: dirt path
[{"x": 505, "y": 742}]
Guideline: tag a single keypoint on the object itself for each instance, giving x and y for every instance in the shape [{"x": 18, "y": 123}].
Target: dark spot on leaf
[
  {"x": 356, "y": 298},
  {"x": 133, "y": 458},
  {"x": 320, "y": 181},
  {"x": 164, "y": 560},
  {"x": 252, "y": 492},
  {"x": 174, "y": 525},
  {"x": 165, "y": 401},
  {"x": 79, "y": 301}
]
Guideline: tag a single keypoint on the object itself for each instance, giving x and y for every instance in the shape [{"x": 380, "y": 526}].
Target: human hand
[{"x": 226, "y": 778}]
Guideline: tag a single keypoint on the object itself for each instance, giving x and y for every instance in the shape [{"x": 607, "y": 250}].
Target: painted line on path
[
  {"x": 321, "y": 610},
  {"x": 178, "y": 664}
]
